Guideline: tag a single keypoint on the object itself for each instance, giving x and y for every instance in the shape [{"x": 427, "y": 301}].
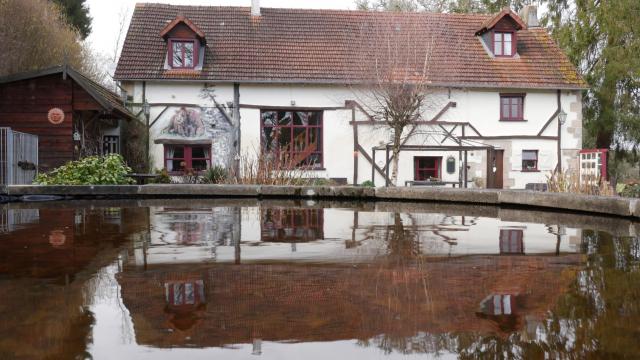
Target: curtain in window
[
  {"x": 207, "y": 152},
  {"x": 170, "y": 151},
  {"x": 529, "y": 155}
]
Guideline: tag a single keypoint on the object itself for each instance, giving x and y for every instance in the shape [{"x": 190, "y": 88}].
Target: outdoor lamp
[
  {"x": 146, "y": 108},
  {"x": 562, "y": 117}
]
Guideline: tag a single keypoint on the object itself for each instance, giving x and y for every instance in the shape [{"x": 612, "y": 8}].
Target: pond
[{"x": 243, "y": 279}]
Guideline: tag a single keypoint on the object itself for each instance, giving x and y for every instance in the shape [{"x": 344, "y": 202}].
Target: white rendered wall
[{"x": 480, "y": 107}]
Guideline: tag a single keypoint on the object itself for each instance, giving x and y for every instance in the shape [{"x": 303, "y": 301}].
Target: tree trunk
[{"x": 395, "y": 148}]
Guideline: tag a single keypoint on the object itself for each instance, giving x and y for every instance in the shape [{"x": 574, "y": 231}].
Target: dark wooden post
[
  {"x": 386, "y": 181},
  {"x": 373, "y": 165}
]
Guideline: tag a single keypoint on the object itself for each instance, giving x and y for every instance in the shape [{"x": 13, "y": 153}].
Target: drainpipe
[
  {"x": 559, "y": 169},
  {"x": 236, "y": 123},
  {"x": 146, "y": 116}
]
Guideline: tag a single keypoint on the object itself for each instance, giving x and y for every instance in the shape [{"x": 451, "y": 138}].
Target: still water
[{"x": 216, "y": 279}]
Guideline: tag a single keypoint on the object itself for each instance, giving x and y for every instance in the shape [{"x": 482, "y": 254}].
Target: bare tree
[{"x": 395, "y": 57}]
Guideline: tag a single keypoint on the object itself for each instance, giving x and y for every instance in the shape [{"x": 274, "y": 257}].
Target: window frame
[
  {"x": 537, "y": 168},
  {"x": 196, "y": 52},
  {"x": 507, "y": 246},
  {"x": 114, "y": 141},
  {"x": 513, "y": 43},
  {"x": 417, "y": 169},
  {"x": 307, "y": 219},
  {"x": 188, "y": 157},
  {"x": 512, "y": 96},
  {"x": 292, "y": 127}
]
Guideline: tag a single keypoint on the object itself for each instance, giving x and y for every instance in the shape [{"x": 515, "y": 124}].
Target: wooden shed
[{"x": 72, "y": 115}]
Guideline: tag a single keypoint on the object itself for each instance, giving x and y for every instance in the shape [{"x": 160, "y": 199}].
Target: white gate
[{"x": 18, "y": 157}]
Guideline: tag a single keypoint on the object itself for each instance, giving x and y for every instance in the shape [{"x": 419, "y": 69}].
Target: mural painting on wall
[{"x": 186, "y": 123}]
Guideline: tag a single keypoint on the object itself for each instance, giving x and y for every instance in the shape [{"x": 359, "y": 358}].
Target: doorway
[{"x": 495, "y": 169}]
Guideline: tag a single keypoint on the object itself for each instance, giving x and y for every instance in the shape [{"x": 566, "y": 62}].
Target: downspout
[
  {"x": 146, "y": 116},
  {"x": 559, "y": 168},
  {"x": 236, "y": 123}
]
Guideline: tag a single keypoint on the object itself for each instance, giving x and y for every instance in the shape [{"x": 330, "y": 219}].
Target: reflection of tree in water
[
  {"x": 596, "y": 318},
  {"x": 401, "y": 241}
]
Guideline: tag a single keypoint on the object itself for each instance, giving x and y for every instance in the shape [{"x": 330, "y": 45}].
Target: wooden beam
[
  {"x": 292, "y": 108},
  {"x": 375, "y": 166},
  {"x": 355, "y": 147},
  {"x": 554, "y": 116},
  {"x": 509, "y": 137},
  {"x": 158, "y": 117}
]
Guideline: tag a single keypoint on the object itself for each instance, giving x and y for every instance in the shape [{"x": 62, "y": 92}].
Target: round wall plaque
[{"x": 55, "y": 116}]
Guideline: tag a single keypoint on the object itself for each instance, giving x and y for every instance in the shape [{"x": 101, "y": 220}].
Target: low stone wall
[{"x": 615, "y": 206}]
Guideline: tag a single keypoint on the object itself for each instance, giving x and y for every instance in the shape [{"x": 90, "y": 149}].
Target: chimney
[
  {"x": 529, "y": 15},
  {"x": 255, "y": 7}
]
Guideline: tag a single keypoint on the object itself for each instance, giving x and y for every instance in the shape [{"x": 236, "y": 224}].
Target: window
[
  {"x": 451, "y": 165},
  {"x": 179, "y": 158},
  {"x": 512, "y": 107},
  {"x": 503, "y": 44},
  {"x": 292, "y": 138},
  {"x": 184, "y": 293},
  {"x": 426, "y": 168},
  {"x": 292, "y": 225},
  {"x": 110, "y": 145},
  {"x": 511, "y": 241},
  {"x": 498, "y": 304},
  {"x": 183, "y": 54},
  {"x": 529, "y": 160}
]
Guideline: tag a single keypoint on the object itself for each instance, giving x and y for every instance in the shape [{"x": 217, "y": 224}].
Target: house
[
  {"x": 72, "y": 115},
  {"x": 223, "y": 84}
]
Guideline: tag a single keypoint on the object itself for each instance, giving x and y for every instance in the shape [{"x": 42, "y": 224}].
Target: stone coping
[{"x": 616, "y": 206}]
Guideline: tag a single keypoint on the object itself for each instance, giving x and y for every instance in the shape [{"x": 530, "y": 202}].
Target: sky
[{"x": 107, "y": 15}]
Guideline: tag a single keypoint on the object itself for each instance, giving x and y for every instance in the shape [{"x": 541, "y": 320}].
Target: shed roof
[{"x": 110, "y": 101}]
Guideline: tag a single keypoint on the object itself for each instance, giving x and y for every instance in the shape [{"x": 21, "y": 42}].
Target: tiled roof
[{"x": 326, "y": 46}]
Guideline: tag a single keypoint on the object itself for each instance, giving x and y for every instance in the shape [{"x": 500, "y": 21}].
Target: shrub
[
  {"x": 163, "y": 177},
  {"x": 569, "y": 182},
  {"x": 215, "y": 175},
  {"x": 632, "y": 190},
  {"x": 92, "y": 170},
  {"x": 367, "y": 183}
]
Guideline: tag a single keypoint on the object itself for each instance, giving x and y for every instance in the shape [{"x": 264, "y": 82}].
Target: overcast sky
[{"x": 106, "y": 15}]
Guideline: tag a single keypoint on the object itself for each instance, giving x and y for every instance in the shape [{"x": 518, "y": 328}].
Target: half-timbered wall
[{"x": 479, "y": 109}]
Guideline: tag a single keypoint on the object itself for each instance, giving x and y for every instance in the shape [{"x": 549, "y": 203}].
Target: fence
[{"x": 18, "y": 157}]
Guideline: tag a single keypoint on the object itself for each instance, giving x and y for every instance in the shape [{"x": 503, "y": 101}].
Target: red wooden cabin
[{"x": 57, "y": 103}]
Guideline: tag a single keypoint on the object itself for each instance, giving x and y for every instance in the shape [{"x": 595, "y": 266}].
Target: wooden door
[{"x": 495, "y": 169}]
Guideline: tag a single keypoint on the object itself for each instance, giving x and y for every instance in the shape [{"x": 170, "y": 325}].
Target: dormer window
[
  {"x": 183, "y": 54},
  {"x": 185, "y": 44},
  {"x": 503, "y": 43},
  {"x": 499, "y": 33}
]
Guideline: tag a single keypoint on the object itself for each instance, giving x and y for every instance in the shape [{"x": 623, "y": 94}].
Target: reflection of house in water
[
  {"x": 488, "y": 295},
  {"x": 247, "y": 234},
  {"x": 188, "y": 235},
  {"x": 292, "y": 225},
  {"x": 46, "y": 264},
  {"x": 12, "y": 219}
]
